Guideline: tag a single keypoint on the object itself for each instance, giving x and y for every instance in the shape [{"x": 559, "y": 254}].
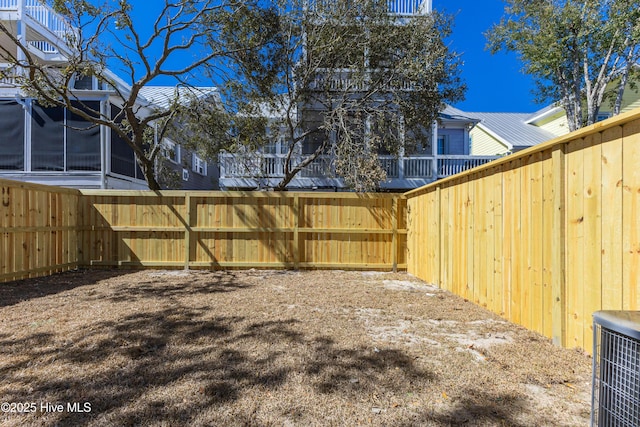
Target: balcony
[
  {"x": 46, "y": 29},
  {"x": 345, "y": 80},
  {"x": 8, "y": 77},
  {"x": 403, "y": 172},
  {"x": 396, "y": 7}
]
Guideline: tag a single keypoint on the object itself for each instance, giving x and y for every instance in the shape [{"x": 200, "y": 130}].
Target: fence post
[
  {"x": 187, "y": 230},
  {"x": 394, "y": 238},
  {"x": 296, "y": 233},
  {"x": 558, "y": 251},
  {"x": 438, "y": 261}
]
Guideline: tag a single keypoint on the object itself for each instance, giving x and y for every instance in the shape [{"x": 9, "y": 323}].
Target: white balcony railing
[
  {"x": 345, "y": 80},
  {"x": 396, "y": 7},
  {"x": 402, "y": 168},
  {"x": 450, "y": 164},
  {"x": 8, "y": 77},
  {"x": 43, "y": 46},
  {"x": 43, "y": 14}
]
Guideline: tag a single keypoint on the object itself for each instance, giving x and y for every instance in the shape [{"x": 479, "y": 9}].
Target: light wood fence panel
[
  {"x": 38, "y": 230},
  {"x": 543, "y": 237},
  {"x": 244, "y": 229}
]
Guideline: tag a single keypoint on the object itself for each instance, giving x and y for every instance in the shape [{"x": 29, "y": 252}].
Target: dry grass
[{"x": 275, "y": 348}]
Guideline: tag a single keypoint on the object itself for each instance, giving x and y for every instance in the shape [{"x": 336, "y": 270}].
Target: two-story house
[
  {"x": 50, "y": 145},
  {"x": 443, "y": 150}
]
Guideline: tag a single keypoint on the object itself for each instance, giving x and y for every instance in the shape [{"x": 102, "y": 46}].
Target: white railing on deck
[
  {"x": 396, "y": 7},
  {"x": 418, "y": 167},
  {"x": 48, "y": 18},
  {"x": 42, "y": 13},
  {"x": 408, "y": 7},
  {"x": 8, "y": 4},
  {"x": 391, "y": 165},
  {"x": 43, "y": 46},
  {"x": 413, "y": 167},
  {"x": 451, "y": 164},
  {"x": 343, "y": 80},
  {"x": 8, "y": 77}
]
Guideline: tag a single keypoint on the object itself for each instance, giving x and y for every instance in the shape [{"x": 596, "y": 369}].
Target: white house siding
[{"x": 483, "y": 144}]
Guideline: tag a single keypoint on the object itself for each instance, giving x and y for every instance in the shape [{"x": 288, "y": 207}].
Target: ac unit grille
[{"x": 616, "y": 375}]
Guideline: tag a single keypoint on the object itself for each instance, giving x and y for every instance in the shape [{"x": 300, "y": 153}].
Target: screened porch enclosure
[{"x": 38, "y": 141}]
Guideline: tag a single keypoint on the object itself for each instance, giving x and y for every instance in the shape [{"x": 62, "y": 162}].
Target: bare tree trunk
[
  {"x": 290, "y": 173},
  {"x": 148, "y": 170}
]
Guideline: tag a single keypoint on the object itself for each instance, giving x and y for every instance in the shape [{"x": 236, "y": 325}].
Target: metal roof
[
  {"x": 512, "y": 128},
  {"x": 163, "y": 96},
  {"x": 454, "y": 114}
]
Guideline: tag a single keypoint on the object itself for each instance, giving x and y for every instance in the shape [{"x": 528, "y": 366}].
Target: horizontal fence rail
[
  {"x": 39, "y": 230},
  {"x": 243, "y": 230},
  {"x": 544, "y": 237}
]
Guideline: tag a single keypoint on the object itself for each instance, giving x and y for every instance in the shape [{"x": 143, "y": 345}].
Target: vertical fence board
[
  {"x": 227, "y": 230},
  {"x": 565, "y": 217},
  {"x": 592, "y": 279},
  {"x": 611, "y": 188},
  {"x": 547, "y": 241},
  {"x": 575, "y": 240},
  {"x": 631, "y": 216},
  {"x": 38, "y": 230},
  {"x": 536, "y": 230}
]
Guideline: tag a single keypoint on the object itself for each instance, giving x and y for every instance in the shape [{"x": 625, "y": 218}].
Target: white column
[
  {"x": 21, "y": 29},
  {"x": 434, "y": 150}
]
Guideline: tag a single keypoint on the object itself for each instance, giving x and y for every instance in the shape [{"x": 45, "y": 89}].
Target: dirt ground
[{"x": 273, "y": 348}]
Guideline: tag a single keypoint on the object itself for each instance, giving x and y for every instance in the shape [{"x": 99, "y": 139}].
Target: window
[
  {"x": 171, "y": 151},
  {"x": 11, "y": 135},
  {"x": 199, "y": 166},
  {"x": 386, "y": 128},
  {"x": 443, "y": 144},
  {"x": 83, "y": 82},
  {"x": 83, "y": 140},
  {"x": 123, "y": 159},
  {"x": 312, "y": 122},
  {"x": 418, "y": 141},
  {"x": 47, "y": 138},
  {"x": 277, "y": 142},
  {"x": 62, "y": 141}
]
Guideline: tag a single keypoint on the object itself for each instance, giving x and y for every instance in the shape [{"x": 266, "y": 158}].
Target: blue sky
[{"x": 495, "y": 82}]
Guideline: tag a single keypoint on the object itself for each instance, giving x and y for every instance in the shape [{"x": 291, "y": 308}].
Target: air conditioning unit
[{"x": 615, "y": 392}]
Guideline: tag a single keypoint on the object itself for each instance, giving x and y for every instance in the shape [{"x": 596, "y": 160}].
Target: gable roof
[
  {"x": 163, "y": 96},
  {"x": 453, "y": 114},
  {"x": 547, "y": 111},
  {"x": 512, "y": 129}
]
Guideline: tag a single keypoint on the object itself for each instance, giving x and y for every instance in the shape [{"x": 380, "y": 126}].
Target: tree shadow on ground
[
  {"x": 189, "y": 283},
  {"x": 24, "y": 290},
  {"x": 175, "y": 364},
  {"x": 483, "y": 409}
]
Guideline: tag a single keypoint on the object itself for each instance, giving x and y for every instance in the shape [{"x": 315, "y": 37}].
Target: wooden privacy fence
[
  {"x": 544, "y": 237},
  {"x": 38, "y": 230},
  {"x": 243, "y": 229}
]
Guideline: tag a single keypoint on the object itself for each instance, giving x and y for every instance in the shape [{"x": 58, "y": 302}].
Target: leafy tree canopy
[
  {"x": 574, "y": 49},
  {"x": 344, "y": 78},
  {"x": 183, "y": 38},
  {"x": 342, "y": 81}
]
